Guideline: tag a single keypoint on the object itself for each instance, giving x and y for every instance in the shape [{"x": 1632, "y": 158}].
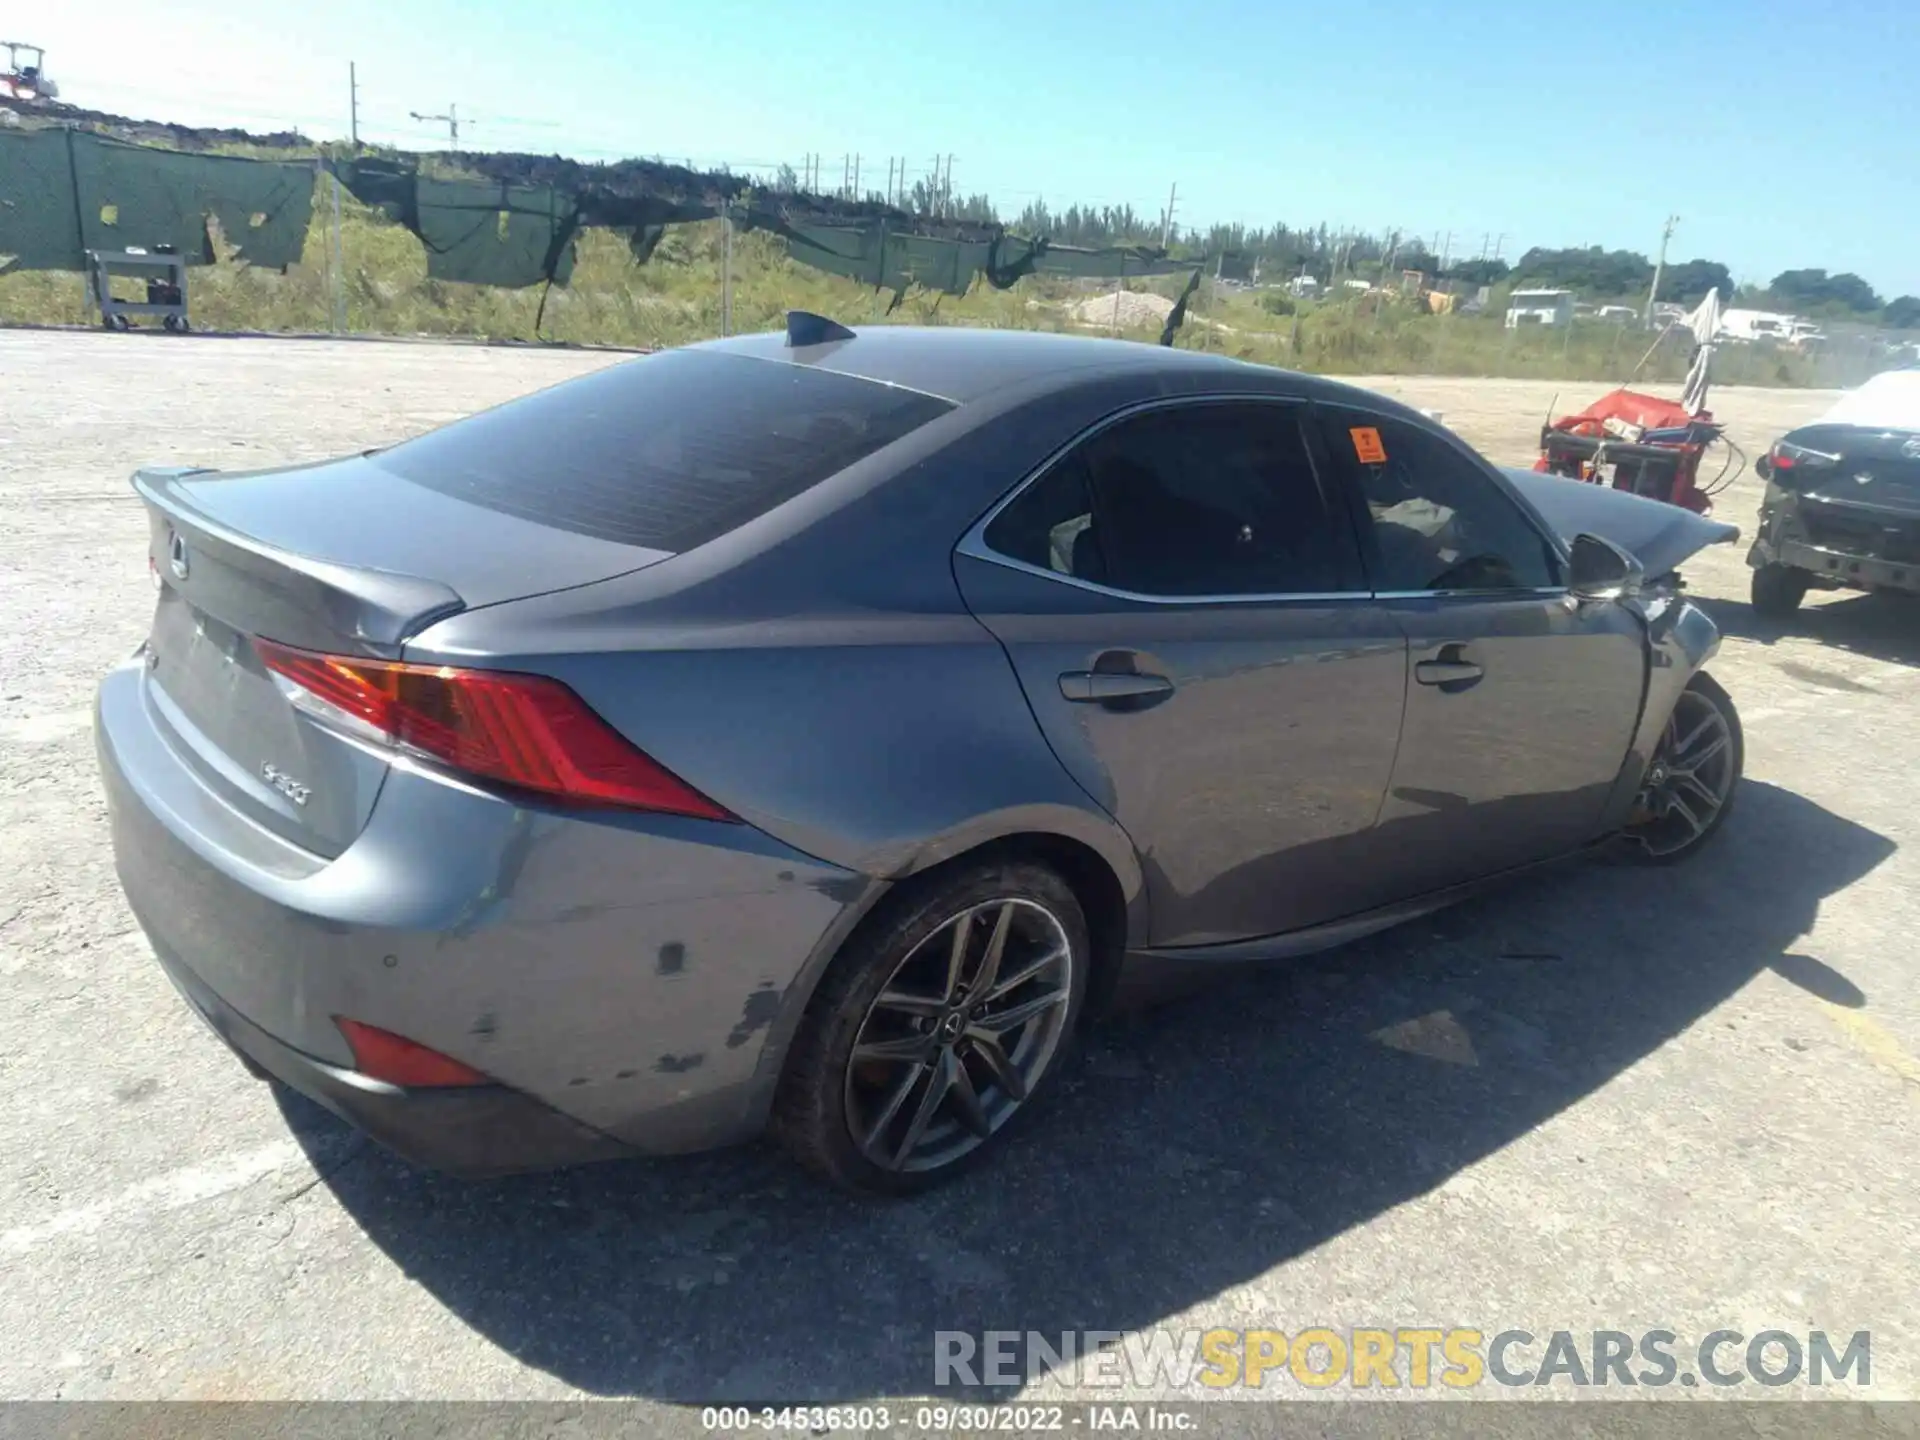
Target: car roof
[{"x": 961, "y": 364}]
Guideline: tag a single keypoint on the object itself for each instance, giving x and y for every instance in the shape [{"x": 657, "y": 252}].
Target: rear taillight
[
  {"x": 526, "y": 731},
  {"x": 383, "y": 1055},
  {"x": 1788, "y": 456}
]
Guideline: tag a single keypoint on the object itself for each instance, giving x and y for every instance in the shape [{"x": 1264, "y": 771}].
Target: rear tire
[
  {"x": 1693, "y": 777},
  {"x": 1778, "y": 590},
  {"x": 956, "y": 1041}
]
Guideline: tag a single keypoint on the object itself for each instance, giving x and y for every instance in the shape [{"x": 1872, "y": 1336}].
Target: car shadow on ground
[
  {"x": 1880, "y": 627},
  {"x": 1193, "y": 1147}
]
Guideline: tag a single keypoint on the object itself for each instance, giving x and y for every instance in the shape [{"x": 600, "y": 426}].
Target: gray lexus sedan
[{"x": 805, "y": 732}]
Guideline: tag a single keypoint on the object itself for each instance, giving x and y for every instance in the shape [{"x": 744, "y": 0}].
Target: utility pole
[
  {"x": 1499, "y": 244},
  {"x": 451, "y": 120},
  {"x": 353, "y": 104},
  {"x": 726, "y": 268},
  {"x": 948, "y": 189},
  {"x": 1166, "y": 225},
  {"x": 856, "y": 175},
  {"x": 1666, "y": 234}
]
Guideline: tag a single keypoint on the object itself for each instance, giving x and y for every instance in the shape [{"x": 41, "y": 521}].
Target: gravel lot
[{"x": 1616, "y": 1098}]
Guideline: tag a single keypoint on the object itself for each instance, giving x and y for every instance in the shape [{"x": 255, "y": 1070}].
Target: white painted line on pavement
[{"x": 173, "y": 1191}]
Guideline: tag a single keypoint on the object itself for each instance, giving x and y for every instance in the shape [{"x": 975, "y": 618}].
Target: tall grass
[{"x": 676, "y": 298}]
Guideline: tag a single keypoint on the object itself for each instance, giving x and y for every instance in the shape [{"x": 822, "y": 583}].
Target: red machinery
[
  {"x": 1640, "y": 443},
  {"x": 24, "y": 76}
]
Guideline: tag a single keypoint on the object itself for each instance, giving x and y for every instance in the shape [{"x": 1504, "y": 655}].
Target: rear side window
[
  {"x": 669, "y": 451},
  {"x": 1050, "y": 526}
]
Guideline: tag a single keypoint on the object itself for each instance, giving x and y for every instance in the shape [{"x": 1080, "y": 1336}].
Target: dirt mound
[{"x": 1137, "y": 308}]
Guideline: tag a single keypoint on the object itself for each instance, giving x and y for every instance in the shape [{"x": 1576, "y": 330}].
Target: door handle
[
  {"x": 1097, "y": 687},
  {"x": 1446, "y": 672},
  {"x": 1449, "y": 667}
]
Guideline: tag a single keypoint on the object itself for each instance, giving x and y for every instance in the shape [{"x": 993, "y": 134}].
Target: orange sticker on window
[{"x": 1367, "y": 445}]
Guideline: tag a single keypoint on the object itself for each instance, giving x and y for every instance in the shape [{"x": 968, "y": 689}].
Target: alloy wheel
[
  {"x": 959, "y": 1036},
  {"x": 1690, "y": 780}
]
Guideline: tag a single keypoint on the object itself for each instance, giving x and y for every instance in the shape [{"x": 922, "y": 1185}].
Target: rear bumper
[
  {"x": 1837, "y": 566},
  {"x": 629, "y": 981},
  {"x": 473, "y": 1132}
]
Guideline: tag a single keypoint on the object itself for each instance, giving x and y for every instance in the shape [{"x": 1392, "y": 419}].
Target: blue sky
[{"x": 1783, "y": 134}]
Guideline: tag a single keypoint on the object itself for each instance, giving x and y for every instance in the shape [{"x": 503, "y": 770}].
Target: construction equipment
[
  {"x": 25, "y": 76},
  {"x": 1642, "y": 444}
]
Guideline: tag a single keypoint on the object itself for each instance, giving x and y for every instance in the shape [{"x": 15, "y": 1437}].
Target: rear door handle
[
  {"x": 1449, "y": 666},
  {"x": 1446, "y": 672},
  {"x": 1094, "y": 687}
]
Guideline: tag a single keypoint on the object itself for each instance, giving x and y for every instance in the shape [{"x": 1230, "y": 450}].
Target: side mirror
[
  {"x": 1763, "y": 467},
  {"x": 1601, "y": 570}
]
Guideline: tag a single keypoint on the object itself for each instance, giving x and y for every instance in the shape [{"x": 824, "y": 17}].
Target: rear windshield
[{"x": 668, "y": 451}]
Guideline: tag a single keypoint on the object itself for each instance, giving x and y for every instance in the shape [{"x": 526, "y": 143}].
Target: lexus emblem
[
  {"x": 177, "y": 558},
  {"x": 1912, "y": 448}
]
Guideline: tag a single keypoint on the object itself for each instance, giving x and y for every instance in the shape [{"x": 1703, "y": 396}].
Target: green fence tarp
[
  {"x": 494, "y": 232},
  {"x": 880, "y": 255},
  {"x": 63, "y": 192},
  {"x": 480, "y": 232},
  {"x": 39, "y": 224},
  {"x": 1130, "y": 261},
  {"x": 163, "y": 197},
  {"x": 890, "y": 256}
]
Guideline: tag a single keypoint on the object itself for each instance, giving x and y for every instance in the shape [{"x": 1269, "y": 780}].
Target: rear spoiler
[{"x": 262, "y": 589}]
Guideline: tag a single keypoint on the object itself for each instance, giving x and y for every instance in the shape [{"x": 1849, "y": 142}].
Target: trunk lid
[
  {"x": 344, "y": 558},
  {"x": 1877, "y": 469}
]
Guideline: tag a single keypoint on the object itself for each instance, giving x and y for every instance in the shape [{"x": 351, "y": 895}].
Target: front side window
[
  {"x": 1216, "y": 499},
  {"x": 1438, "y": 522}
]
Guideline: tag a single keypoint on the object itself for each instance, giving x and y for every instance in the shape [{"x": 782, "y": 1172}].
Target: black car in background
[{"x": 1842, "y": 505}]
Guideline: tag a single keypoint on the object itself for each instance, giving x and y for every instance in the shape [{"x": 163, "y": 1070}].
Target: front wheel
[
  {"x": 1692, "y": 778},
  {"x": 935, "y": 1028},
  {"x": 1778, "y": 590}
]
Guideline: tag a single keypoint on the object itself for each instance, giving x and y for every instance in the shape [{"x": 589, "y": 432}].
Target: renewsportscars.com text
[{"x": 1320, "y": 1358}]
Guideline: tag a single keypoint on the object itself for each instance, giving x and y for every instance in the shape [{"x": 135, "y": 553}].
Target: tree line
[{"x": 1605, "y": 274}]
